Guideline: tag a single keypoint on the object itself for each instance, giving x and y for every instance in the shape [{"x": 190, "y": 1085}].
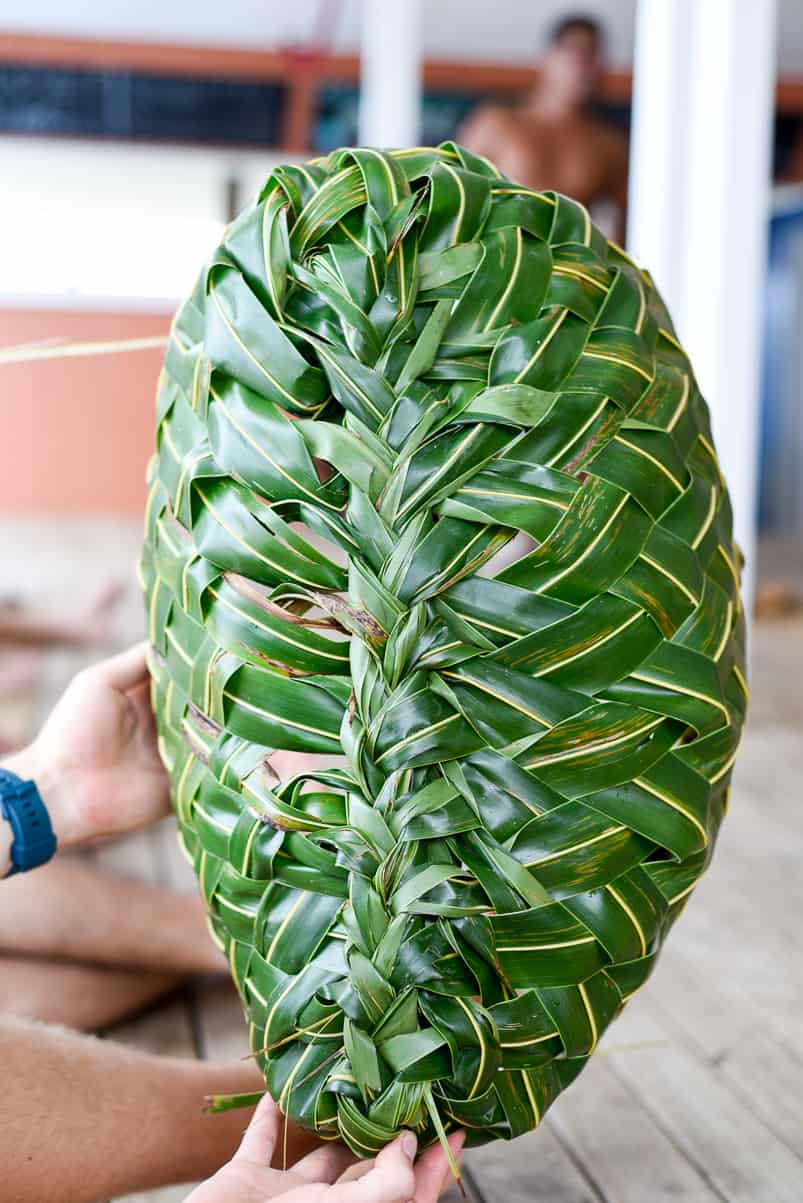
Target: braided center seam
[{"x": 447, "y": 645}]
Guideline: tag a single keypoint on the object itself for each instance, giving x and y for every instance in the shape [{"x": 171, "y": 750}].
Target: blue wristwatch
[{"x": 22, "y": 806}]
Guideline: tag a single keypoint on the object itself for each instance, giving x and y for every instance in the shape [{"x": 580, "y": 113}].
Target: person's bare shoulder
[{"x": 482, "y": 128}]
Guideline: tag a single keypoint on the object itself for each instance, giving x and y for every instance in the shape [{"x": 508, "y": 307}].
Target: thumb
[
  {"x": 390, "y": 1180},
  {"x": 260, "y": 1137},
  {"x": 432, "y": 1171},
  {"x": 125, "y": 670}
]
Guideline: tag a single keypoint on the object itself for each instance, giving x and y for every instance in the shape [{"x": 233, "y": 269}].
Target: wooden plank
[
  {"x": 130, "y": 856},
  {"x": 731, "y": 1147},
  {"x": 299, "y": 113},
  {"x": 535, "y": 1166},
  {"x": 219, "y": 1022},
  {"x": 174, "y": 868},
  {"x": 760, "y": 958},
  {"x": 771, "y": 758},
  {"x": 716, "y": 1019},
  {"x": 754, "y": 875},
  {"x": 742, "y": 922},
  {"x": 165, "y": 1030},
  {"x": 161, "y": 57},
  {"x": 734, "y": 1003},
  {"x": 776, "y": 692},
  {"x": 628, "y": 1157}
]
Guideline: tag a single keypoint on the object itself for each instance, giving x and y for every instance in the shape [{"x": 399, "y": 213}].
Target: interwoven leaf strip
[{"x": 444, "y": 800}]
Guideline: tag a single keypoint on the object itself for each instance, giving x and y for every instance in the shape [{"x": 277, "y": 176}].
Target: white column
[
  {"x": 657, "y": 193},
  {"x": 699, "y": 215},
  {"x": 390, "y": 73},
  {"x": 731, "y": 104}
]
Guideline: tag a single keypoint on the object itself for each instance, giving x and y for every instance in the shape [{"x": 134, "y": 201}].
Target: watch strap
[{"x": 21, "y": 805}]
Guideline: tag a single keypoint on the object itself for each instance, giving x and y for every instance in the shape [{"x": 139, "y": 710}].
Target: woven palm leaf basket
[{"x": 447, "y": 644}]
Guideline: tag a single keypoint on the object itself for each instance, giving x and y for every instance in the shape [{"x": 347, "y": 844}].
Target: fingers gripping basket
[{"x": 443, "y": 804}]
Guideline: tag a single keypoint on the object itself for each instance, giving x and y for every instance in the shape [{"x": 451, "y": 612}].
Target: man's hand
[
  {"x": 329, "y": 1175},
  {"x": 95, "y": 761}
]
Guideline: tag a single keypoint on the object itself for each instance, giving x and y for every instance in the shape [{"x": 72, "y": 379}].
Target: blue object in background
[
  {"x": 137, "y": 105},
  {"x": 781, "y": 450}
]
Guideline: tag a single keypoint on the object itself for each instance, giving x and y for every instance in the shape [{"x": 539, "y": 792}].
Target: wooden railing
[{"x": 301, "y": 71}]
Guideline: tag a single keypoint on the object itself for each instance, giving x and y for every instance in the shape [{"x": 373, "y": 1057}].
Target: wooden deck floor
[{"x": 696, "y": 1093}]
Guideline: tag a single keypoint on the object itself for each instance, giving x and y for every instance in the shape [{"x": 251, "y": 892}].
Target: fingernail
[{"x": 409, "y": 1144}]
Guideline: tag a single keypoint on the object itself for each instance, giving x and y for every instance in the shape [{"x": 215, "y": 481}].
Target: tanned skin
[{"x": 552, "y": 139}]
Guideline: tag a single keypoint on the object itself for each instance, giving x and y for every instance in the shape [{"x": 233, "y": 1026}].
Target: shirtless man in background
[{"x": 552, "y": 138}]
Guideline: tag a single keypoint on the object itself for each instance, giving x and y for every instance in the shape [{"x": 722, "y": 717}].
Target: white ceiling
[{"x": 511, "y": 30}]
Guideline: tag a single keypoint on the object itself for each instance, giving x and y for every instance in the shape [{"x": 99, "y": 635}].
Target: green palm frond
[
  {"x": 511, "y": 759},
  {"x": 64, "y": 349}
]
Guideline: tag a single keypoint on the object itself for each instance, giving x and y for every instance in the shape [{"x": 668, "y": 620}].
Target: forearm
[
  {"x": 63, "y": 911},
  {"x": 86, "y": 1120},
  {"x": 84, "y": 998}
]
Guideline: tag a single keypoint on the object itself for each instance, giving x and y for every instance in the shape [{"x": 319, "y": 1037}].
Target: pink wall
[{"x": 77, "y": 433}]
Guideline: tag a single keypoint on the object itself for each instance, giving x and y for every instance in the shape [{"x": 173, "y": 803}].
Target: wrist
[
  {"x": 56, "y": 790},
  {"x": 6, "y": 840}
]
